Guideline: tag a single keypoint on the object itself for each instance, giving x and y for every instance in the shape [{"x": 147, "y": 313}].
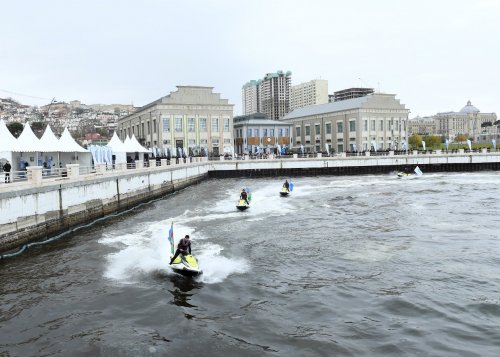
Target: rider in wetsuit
[
  {"x": 286, "y": 185},
  {"x": 183, "y": 247},
  {"x": 244, "y": 196}
]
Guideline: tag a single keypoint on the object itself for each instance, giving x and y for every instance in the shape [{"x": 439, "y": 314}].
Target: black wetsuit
[
  {"x": 183, "y": 247},
  {"x": 244, "y": 196},
  {"x": 287, "y": 185}
]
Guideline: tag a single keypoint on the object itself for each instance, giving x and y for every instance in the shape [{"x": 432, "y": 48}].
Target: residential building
[
  {"x": 375, "y": 121},
  {"x": 468, "y": 121},
  {"x": 309, "y": 93},
  {"x": 257, "y": 131},
  {"x": 191, "y": 117},
  {"x": 351, "y": 93},
  {"x": 250, "y": 97},
  {"x": 274, "y": 92}
]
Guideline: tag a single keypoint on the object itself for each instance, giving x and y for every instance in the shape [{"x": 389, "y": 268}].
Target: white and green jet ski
[{"x": 184, "y": 264}]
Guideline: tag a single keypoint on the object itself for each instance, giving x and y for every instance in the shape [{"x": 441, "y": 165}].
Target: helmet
[{"x": 243, "y": 189}]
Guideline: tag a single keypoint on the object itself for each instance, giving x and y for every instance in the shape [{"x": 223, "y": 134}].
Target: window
[
  {"x": 264, "y": 132},
  {"x": 287, "y": 132},
  {"x": 142, "y": 129},
  {"x": 328, "y": 128},
  {"x": 308, "y": 130},
  {"x": 191, "y": 142},
  {"x": 381, "y": 125},
  {"x": 352, "y": 125},
  {"x": 271, "y": 132},
  {"x": 154, "y": 126},
  {"x": 255, "y": 132},
  {"x": 166, "y": 142},
  {"x": 340, "y": 147},
  {"x": 191, "y": 125},
  {"x": 226, "y": 124},
  {"x": 365, "y": 125},
  {"x": 297, "y": 131},
  {"x": 372, "y": 125},
  {"x": 249, "y": 132},
  {"x": 227, "y": 141},
  {"x": 178, "y": 124},
  {"x": 166, "y": 125},
  {"x": 280, "y": 131},
  {"x": 340, "y": 127},
  {"x": 147, "y": 124},
  {"x": 317, "y": 129},
  {"x": 215, "y": 124},
  {"x": 203, "y": 124}
]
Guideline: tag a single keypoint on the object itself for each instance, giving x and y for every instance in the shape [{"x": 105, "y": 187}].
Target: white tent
[
  {"x": 119, "y": 149},
  {"x": 29, "y": 145},
  {"x": 50, "y": 147},
  {"x": 8, "y": 143},
  {"x": 73, "y": 153},
  {"x": 138, "y": 147}
]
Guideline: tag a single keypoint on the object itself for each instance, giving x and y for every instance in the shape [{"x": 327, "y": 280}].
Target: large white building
[
  {"x": 467, "y": 121},
  {"x": 192, "y": 117},
  {"x": 377, "y": 121},
  {"x": 309, "y": 93}
]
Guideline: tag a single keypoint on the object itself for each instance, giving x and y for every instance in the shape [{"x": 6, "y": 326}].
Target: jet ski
[
  {"x": 186, "y": 265},
  {"x": 284, "y": 192},
  {"x": 242, "y": 205},
  {"x": 405, "y": 174}
]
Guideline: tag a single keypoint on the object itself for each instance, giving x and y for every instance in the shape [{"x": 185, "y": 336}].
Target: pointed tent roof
[
  {"x": 27, "y": 141},
  {"x": 49, "y": 142},
  {"x": 7, "y": 141},
  {"x": 136, "y": 146},
  {"x": 68, "y": 144},
  {"x": 116, "y": 144}
]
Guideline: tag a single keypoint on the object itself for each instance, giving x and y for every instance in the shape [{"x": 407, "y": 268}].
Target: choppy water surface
[{"x": 346, "y": 266}]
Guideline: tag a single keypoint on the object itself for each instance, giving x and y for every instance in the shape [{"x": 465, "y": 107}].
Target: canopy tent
[
  {"x": 28, "y": 147},
  {"x": 8, "y": 143},
  {"x": 73, "y": 153},
  {"x": 50, "y": 148},
  {"x": 119, "y": 149},
  {"x": 134, "y": 150}
]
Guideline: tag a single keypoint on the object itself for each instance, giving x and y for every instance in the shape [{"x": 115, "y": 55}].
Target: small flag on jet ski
[
  {"x": 171, "y": 238},
  {"x": 290, "y": 185},
  {"x": 418, "y": 171}
]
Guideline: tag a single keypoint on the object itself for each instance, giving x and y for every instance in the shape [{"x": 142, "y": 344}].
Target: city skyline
[{"x": 434, "y": 56}]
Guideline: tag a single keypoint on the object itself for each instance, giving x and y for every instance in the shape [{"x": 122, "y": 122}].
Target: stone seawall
[{"x": 33, "y": 214}]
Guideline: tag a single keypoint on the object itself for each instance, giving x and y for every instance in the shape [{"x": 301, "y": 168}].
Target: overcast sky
[{"x": 434, "y": 54}]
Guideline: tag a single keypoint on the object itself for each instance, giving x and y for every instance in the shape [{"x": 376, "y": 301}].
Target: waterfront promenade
[{"x": 41, "y": 206}]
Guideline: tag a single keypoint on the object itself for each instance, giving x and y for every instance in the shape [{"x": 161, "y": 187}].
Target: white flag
[
  {"x": 469, "y": 143},
  {"x": 423, "y": 144}
]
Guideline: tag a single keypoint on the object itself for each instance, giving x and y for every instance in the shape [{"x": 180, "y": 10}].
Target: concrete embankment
[
  {"x": 355, "y": 165},
  {"x": 30, "y": 214},
  {"x": 36, "y": 210}
]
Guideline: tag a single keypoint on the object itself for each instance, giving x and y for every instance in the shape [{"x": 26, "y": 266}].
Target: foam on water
[{"x": 147, "y": 251}]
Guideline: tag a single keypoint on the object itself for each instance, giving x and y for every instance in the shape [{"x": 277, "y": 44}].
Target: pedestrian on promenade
[{"x": 7, "y": 167}]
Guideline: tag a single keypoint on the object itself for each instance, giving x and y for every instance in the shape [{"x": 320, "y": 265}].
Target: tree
[
  {"x": 15, "y": 128},
  {"x": 38, "y": 127},
  {"x": 433, "y": 141},
  {"x": 460, "y": 138},
  {"x": 485, "y": 124},
  {"x": 415, "y": 140}
]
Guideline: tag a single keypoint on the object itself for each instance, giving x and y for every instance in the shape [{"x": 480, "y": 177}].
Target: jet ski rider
[
  {"x": 244, "y": 196},
  {"x": 183, "y": 247},
  {"x": 286, "y": 185}
]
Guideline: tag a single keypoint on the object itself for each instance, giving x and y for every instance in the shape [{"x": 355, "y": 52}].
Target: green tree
[
  {"x": 415, "y": 140},
  {"x": 38, "y": 127},
  {"x": 15, "y": 128},
  {"x": 433, "y": 141}
]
